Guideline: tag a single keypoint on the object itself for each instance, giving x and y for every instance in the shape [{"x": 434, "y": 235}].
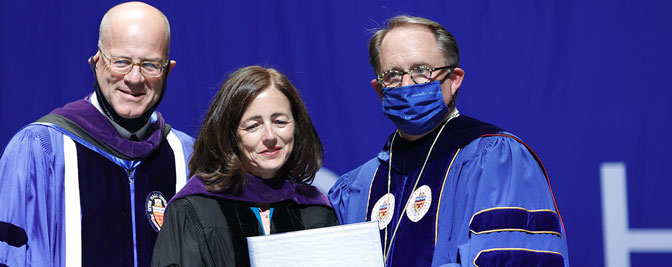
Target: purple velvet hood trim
[
  {"x": 255, "y": 190},
  {"x": 87, "y": 117}
]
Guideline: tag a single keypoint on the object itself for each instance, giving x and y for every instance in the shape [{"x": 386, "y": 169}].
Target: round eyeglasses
[
  {"x": 124, "y": 65},
  {"x": 419, "y": 75}
]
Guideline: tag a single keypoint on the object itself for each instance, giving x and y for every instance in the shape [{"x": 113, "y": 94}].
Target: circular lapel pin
[
  {"x": 155, "y": 207},
  {"x": 383, "y": 210},
  {"x": 419, "y": 203}
]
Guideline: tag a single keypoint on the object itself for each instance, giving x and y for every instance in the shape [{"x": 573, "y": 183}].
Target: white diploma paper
[{"x": 345, "y": 245}]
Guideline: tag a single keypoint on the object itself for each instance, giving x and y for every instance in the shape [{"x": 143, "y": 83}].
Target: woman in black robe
[{"x": 254, "y": 158}]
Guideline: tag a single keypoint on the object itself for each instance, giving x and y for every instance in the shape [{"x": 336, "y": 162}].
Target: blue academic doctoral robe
[
  {"x": 483, "y": 200},
  {"x": 75, "y": 193}
]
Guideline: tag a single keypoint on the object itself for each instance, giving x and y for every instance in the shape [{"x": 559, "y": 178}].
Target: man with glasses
[
  {"x": 446, "y": 189},
  {"x": 87, "y": 184}
]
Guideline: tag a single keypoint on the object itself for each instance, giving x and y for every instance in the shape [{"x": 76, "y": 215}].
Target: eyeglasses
[
  {"x": 124, "y": 65},
  {"x": 419, "y": 75}
]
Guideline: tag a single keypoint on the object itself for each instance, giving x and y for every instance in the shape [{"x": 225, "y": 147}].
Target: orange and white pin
[
  {"x": 155, "y": 207},
  {"x": 419, "y": 203},
  {"x": 383, "y": 210}
]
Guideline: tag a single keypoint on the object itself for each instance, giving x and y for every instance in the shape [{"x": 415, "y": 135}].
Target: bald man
[{"x": 88, "y": 183}]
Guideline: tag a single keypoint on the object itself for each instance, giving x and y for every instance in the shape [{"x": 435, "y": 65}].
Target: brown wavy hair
[{"x": 216, "y": 158}]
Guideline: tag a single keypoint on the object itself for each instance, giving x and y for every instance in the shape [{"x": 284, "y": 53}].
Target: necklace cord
[
  {"x": 389, "y": 174},
  {"x": 417, "y": 180}
]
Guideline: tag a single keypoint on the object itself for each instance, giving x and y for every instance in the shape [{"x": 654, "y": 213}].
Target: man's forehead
[
  {"x": 409, "y": 46},
  {"x": 129, "y": 47},
  {"x": 133, "y": 41}
]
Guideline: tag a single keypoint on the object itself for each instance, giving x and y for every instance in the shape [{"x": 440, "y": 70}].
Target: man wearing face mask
[
  {"x": 446, "y": 189},
  {"x": 87, "y": 184}
]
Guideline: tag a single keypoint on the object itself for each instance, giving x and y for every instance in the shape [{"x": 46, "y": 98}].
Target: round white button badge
[
  {"x": 419, "y": 203},
  {"x": 383, "y": 210}
]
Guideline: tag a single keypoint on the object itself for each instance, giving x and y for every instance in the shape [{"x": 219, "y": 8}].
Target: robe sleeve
[
  {"x": 508, "y": 215},
  {"x": 29, "y": 183},
  {"x": 349, "y": 195},
  {"x": 181, "y": 241}
]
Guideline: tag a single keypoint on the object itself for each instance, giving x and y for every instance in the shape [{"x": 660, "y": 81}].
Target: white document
[{"x": 344, "y": 245}]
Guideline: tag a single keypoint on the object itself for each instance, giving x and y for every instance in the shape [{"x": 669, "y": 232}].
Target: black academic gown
[{"x": 209, "y": 229}]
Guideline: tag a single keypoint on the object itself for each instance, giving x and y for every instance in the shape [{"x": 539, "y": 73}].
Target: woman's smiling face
[{"x": 266, "y": 133}]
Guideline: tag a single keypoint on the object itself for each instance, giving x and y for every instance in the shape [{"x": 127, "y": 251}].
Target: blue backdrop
[{"x": 582, "y": 81}]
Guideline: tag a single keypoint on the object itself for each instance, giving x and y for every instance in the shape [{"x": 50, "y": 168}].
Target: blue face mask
[{"x": 415, "y": 109}]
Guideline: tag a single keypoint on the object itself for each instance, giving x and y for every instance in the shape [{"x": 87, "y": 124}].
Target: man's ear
[
  {"x": 375, "y": 85},
  {"x": 95, "y": 58},
  {"x": 171, "y": 65},
  {"x": 456, "y": 78}
]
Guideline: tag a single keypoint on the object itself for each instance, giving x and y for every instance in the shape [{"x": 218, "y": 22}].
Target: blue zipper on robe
[{"x": 131, "y": 183}]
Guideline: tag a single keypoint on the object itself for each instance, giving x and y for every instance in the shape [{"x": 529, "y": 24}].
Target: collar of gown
[
  {"x": 410, "y": 155},
  {"x": 88, "y": 118},
  {"x": 259, "y": 190}
]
